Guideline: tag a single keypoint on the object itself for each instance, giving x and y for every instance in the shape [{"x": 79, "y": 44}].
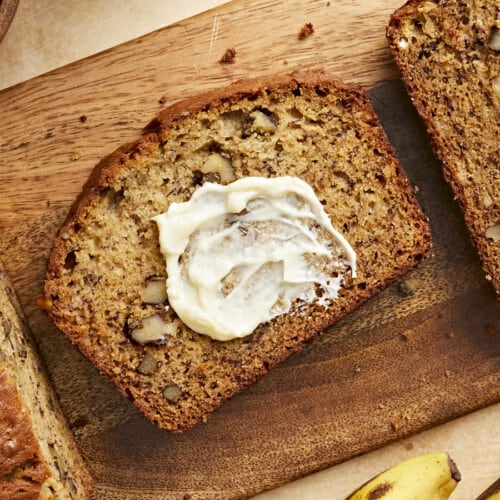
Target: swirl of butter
[{"x": 238, "y": 255}]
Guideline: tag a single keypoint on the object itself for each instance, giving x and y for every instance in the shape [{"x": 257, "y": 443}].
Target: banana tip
[{"x": 455, "y": 473}]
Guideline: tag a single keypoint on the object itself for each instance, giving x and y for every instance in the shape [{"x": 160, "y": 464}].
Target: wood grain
[
  {"x": 400, "y": 364},
  {"x": 119, "y": 90}
]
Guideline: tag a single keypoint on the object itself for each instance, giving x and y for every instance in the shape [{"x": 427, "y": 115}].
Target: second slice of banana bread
[{"x": 449, "y": 57}]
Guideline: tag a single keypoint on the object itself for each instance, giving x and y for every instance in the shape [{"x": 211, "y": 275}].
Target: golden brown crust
[
  {"x": 243, "y": 88},
  {"x": 210, "y": 372},
  {"x": 448, "y": 69},
  {"x": 22, "y": 467}
]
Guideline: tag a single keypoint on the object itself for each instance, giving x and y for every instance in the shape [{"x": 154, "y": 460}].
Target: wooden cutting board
[{"x": 417, "y": 355}]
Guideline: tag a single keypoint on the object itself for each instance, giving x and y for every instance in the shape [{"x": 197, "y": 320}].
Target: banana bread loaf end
[{"x": 38, "y": 455}]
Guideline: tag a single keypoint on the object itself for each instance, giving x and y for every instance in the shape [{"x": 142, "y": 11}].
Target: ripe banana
[
  {"x": 492, "y": 493},
  {"x": 431, "y": 476}
]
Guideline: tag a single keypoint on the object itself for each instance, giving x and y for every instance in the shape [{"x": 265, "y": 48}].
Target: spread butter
[{"x": 238, "y": 255}]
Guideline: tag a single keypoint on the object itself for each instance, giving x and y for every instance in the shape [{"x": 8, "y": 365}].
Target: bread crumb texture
[
  {"x": 449, "y": 55},
  {"x": 228, "y": 57},
  {"x": 38, "y": 456},
  {"x": 103, "y": 270},
  {"x": 306, "y": 31}
]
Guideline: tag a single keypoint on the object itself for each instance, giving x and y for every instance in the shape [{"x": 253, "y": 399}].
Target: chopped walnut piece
[
  {"x": 493, "y": 233},
  {"x": 216, "y": 163},
  {"x": 153, "y": 329},
  {"x": 154, "y": 292},
  {"x": 148, "y": 364},
  {"x": 262, "y": 123},
  {"x": 172, "y": 393},
  {"x": 494, "y": 41}
]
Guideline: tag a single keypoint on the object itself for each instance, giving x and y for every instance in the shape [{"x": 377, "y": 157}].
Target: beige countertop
[{"x": 50, "y": 34}]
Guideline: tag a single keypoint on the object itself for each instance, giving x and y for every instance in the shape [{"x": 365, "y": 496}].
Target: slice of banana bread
[
  {"x": 449, "y": 56},
  {"x": 38, "y": 456},
  {"x": 105, "y": 277}
]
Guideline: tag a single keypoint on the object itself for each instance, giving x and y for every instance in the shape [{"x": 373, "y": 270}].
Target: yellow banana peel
[{"x": 430, "y": 476}]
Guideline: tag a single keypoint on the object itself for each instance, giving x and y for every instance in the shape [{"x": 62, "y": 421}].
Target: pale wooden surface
[
  {"x": 49, "y": 34},
  {"x": 7, "y": 11},
  {"x": 33, "y": 175}
]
